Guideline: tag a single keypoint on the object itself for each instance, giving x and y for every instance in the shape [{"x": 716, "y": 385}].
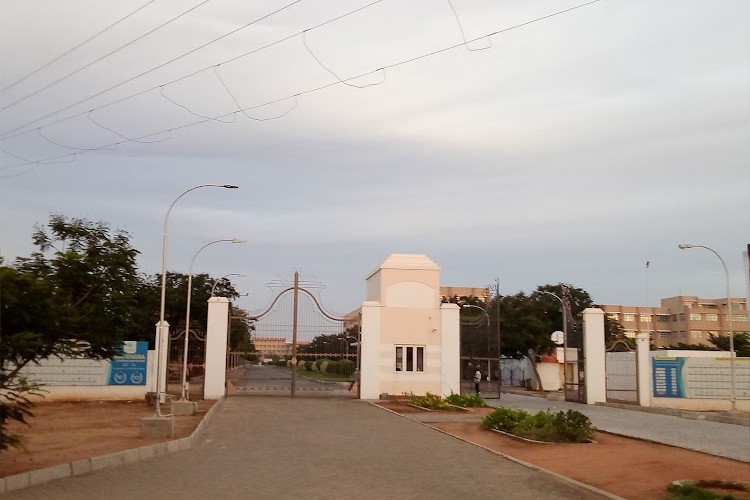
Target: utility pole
[{"x": 499, "y": 340}]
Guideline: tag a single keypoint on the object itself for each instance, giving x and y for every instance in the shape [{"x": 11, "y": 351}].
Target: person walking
[{"x": 477, "y": 380}]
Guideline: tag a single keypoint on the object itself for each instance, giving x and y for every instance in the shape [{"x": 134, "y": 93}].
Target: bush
[
  {"x": 324, "y": 365},
  {"x": 504, "y": 419},
  {"x": 309, "y": 365},
  {"x": 344, "y": 367},
  {"x": 561, "y": 427},
  {"x": 319, "y": 362},
  {"x": 429, "y": 400},
  {"x": 466, "y": 400},
  {"x": 693, "y": 492}
]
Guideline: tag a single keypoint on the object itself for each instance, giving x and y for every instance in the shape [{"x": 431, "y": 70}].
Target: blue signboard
[
  {"x": 667, "y": 375},
  {"x": 129, "y": 367}
]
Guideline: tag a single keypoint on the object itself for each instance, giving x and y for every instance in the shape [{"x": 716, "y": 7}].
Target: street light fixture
[
  {"x": 216, "y": 282},
  {"x": 162, "y": 304},
  {"x": 732, "y": 399},
  {"x": 183, "y": 394}
]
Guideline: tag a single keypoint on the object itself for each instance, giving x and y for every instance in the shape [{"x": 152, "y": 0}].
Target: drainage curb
[{"x": 86, "y": 465}]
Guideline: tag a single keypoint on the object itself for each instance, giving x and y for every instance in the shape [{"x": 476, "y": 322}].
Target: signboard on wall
[
  {"x": 700, "y": 378},
  {"x": 129, "y": 368}
]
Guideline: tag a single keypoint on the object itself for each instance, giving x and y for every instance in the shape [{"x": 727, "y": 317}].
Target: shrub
[
  {"x": 504, "y": 419},
  {"x": 561, "y": 427},
  {"x": 466, "y": 400},
  {"x": 344, "y": 367},
  {"x": 429, "y": 400},
  {"x": 309, "y": 365},
  {"x": 324, "y": 365},
  {"x": 693, "y": 492},
  {"x": 319, "y": 362}
]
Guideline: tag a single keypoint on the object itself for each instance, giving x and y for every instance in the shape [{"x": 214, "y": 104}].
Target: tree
[
  {"x": 741, "y": 343},
  {"x": 74, "y": 296}
]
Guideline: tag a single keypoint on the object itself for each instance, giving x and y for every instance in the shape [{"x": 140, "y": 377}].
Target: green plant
[
  {"x": 466, "y": 400},
  {"x": 429, "y": 401},
  {"x": 561, "y": 427},
  {"x": 344, "y": 367},
  {"x": 693, "y": 492},
  {"x": 504, "y": 419},
  {"x": 319, "y": 362}
]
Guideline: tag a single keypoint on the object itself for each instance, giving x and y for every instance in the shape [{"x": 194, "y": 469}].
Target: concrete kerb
[
  {"x": 86, "y": 465},
  {"x": 528, "y": 465}
]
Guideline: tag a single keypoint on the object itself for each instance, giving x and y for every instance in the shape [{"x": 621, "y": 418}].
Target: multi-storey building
[
  {"x": 682, "y": 319},
  {"x": 278, "y": 346}
]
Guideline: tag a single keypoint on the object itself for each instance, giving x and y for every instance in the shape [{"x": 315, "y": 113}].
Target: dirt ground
[
  {"x": 63, "y": 432},
  {"x": 630, "y": 468}
]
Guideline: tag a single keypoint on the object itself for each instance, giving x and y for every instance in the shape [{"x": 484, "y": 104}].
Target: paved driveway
[{"x": 316, "y": 448}]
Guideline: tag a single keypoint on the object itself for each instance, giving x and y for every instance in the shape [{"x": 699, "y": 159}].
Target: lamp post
[
  {"x": 346, "y": 341},
  {"x": 183, "y": 394},
  {"x": 732, "y": 399},
  {"x": 216, "y": 282},
  {"x": 162, "y": 325}
]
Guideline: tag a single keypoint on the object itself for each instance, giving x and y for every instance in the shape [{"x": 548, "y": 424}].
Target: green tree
[
  {"x": 741, "y": 343},
  {"x": 74, "y": 296}
]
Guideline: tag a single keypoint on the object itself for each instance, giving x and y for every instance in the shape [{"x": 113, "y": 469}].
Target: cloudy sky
[{"x": 573, "y": 148}]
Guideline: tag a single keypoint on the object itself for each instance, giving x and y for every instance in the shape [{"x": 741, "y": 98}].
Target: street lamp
[
  {"x": 183, "y": 394},
  {"x": 213, "y": 288},
  {"x": 162, "y": 325},
  {"x": 686, "y": 246},
  {"x": 346, "y": 340}
]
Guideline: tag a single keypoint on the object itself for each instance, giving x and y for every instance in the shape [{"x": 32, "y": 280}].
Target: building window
[
  {"x": 628, "y": 317},
  {"x": 409, "y": 358},
  {"x": 645, "y": 318},
  {"x": 630, "y": 334},
  {"x": 689, "y": 305},
  {"x": 712, "y": 317},
  {"x": 696, "y": 334},
  {"x": 696, "y": 316},
  {"x": 663, "y": 335},
  {"x": 674, "y": 317},
  {"x": 682, "y": 316},
  {"x": 662, "y": 318},
  {"x": 739, "y": 317},
  {"x": 614, "y": 316}
]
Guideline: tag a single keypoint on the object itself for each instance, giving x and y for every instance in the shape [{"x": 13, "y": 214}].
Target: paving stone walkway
[{"x": 316, "y": 448}]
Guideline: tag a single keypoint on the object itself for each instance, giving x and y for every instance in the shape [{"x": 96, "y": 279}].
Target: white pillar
[
  {"x": 643, "y": 368},
  {"x": 595, "y": 364},
  {"x": 369, "y": 375},
  {"x": 161, "y": 345},
  {"x": 216, "y": 348},
  {"x": 450, "y": 375}
]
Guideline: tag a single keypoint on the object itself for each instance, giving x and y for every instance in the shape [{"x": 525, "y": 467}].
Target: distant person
[{"x": 477, "y": 380}]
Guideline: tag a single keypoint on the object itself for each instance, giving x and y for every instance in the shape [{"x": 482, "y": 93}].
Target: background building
[{"x": 682, "y": 319}]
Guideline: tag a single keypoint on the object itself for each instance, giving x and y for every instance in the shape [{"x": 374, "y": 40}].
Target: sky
[{"x": 577, "y": 143}]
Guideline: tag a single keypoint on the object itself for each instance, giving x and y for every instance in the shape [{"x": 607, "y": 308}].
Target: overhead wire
[
  {"x": 73, "y": 49},
  {"x": 112, "y": 52},
  {"x": 331, "y": 84},
  {"x": 10, "y": 134}
]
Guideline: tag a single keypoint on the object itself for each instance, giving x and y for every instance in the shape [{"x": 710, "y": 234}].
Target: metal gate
[
  {"x": 302, "y": 350},
  {"x": 622, "y": 374},
  {"x": 575, "y": 363}
]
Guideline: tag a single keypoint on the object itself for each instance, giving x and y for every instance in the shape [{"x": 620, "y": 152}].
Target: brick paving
[{"x": 315, "y": 448}]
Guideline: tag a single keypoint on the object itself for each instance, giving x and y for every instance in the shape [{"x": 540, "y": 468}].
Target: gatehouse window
[{"x": 409, "y": 358}]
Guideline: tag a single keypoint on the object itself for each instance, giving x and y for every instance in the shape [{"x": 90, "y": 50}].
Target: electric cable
[
  {"x": 69, "y": 51},
  {"x": 331, "y": 84},
  {"x": 91, "y": 63},
  {"x": 5, "y": 135}
]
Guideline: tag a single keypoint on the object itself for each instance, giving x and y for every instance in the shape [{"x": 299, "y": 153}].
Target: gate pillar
[
  {"x": 214, "y": 378},
  {"x": 643, "y": 368},
  {"x": 595, "y": 368}
]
